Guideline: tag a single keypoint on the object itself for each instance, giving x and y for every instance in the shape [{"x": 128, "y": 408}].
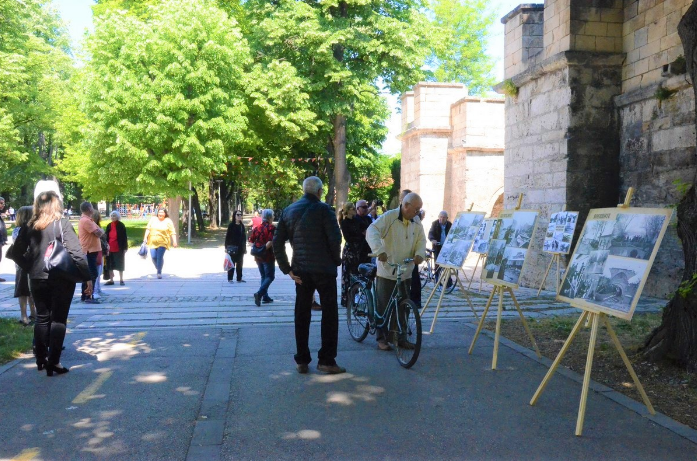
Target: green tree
[{"x": 460, "y": 35}]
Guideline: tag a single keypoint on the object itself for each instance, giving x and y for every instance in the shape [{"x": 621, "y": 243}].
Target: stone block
[
  {"x": 532, "y": 42},
  {"x": 614, "y": 30},
  {"x": 652, "y": 48},
  {"x": 653, "y": 14},
  {"x": 641, "y": 37},
  {"x": 674, "y": 138},
  {"x": 645, "y": 5},
  {"x": 533, "y": 29},
  {"x": 674, "y": 52},
  {"x": 585, "y": 13},
  {"x": 599, "y": 29},
  {"x": 672, "y": 21},
  {"x": 606, "y": 44},
  {"x": 636, "y": 23},
  {"x": 651, "y": 77},
  {"x": 614, "y": 15},
  {"x": 631, "y": 10},
  {"x": 657, "y": 29},
  {"x": 585, "y": 43}
]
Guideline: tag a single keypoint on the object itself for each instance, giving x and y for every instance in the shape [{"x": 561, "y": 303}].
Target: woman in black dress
[
  {"x": 351, "y": 256},
  {"x": 236, "y": 236},
  {"x": 21, "y": 278}
]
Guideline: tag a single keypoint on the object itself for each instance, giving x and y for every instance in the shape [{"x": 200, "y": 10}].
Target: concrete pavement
[{"x": 187, "y": 367}]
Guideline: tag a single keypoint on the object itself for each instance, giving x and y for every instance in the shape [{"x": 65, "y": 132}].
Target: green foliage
[
  {"x": 662, "y": 93},
  {"x": 687, "y": 286},
  {"x": 509, "y": 88},
  {"x": 459, "y": 38},
  {"x": 682, "y": 187},
  {"x": 15, "y": 339}
]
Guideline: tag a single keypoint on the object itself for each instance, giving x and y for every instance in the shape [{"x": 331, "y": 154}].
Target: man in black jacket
[
  {"x": 439, "y": 230},
  {"x": 312, "y": 229}
]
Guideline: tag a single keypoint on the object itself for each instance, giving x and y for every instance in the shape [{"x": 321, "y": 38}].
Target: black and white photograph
[
  {"x": 455, "y": 253},
  {"x": 634, "y": 235},
  {"x": 620, "y": 282},
  {"x": 494, "y": 258},
  {"x": 461, "y": 226},
  {"x": 560, "y": 232},
  {"x": 597, "y": 235},
  {"x": 484, "y": 232},
  {"x": 512, "y": 265}
]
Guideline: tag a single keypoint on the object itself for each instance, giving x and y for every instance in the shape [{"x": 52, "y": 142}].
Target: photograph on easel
[
  {"x": 484, "y": 233},
  {"x": 460, "y": 238},
  {"x": 508, "y": 249},
  {"x": 560, "y": 232},
  {"x": 613, "y": 258}
]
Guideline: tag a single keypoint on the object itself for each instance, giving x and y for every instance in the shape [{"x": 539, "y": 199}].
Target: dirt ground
[{"x": 672, "y": 391}]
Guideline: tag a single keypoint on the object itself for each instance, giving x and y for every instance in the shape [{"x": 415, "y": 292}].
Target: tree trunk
[
  {"x": 341, "y": 173},
  {"x": 196, "y": 205},
  {"x": 213, "y": 203},
  {"x": 676, "y": 338}
]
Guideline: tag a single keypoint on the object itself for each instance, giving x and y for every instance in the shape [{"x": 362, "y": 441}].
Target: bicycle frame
[{"x": 398, "y": 293}]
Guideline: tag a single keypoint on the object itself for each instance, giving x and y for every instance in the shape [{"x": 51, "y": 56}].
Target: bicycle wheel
[
  {"x": 357, "y": 312},
  {"x": 424, "y": 272},
  {"x": 408, "y": 344},
  {"x": 450, "y": 285}
]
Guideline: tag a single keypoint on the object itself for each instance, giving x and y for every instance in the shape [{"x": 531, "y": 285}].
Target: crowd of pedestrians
[{"x": 312, "y": 227}]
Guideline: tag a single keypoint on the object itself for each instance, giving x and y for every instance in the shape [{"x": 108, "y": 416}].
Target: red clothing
[
  {"x": 260, "y": 235},
  {"x": 113, "y": 241},
  {"x": 256, "y": 222}
]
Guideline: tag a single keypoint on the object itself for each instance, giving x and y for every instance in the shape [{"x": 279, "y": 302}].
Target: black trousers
[
  {"x": 304, "y": 294},
  {"x": 52, "y": 299},
  {"x": 237, "y": 259}
]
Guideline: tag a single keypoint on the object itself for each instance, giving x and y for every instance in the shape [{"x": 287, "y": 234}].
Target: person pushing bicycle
[{"x": 397, "y": 235}]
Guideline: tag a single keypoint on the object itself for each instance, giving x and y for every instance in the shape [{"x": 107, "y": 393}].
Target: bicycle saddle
[{"x": 368, "y": 270}]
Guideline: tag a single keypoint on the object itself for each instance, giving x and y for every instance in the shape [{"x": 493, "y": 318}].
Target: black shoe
[
  {"x": 267, "y": 300},
  {"x": 331, "y": 369},
  {"x": 241, "y": 281},
  {"x": 302, "y": 368},
  {"x": 316, "y": 306},
  {"x": 59, "y": 370},
  {"x": 257, "y": 299}
]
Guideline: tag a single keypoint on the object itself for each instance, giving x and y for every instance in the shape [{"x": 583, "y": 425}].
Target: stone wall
[{"x": 586, "y": 124}]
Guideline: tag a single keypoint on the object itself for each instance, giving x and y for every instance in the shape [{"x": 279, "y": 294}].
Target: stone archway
[{"x": 497, "y": 207}]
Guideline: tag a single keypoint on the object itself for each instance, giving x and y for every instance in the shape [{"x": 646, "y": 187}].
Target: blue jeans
[
  {"x": 158, "y": 257},
  {"x": 268, "y": 273}
]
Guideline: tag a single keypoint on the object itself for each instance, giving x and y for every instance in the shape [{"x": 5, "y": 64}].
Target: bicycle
[
  {"x": 362, "y": 317},
  {"x": 428, "y": 274}
]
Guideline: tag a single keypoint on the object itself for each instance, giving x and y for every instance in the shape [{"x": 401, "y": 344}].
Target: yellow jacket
[{"x": 399, "y": 238}]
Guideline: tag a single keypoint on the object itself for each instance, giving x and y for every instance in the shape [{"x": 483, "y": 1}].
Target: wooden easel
[
  {"x": 594, "y": 317},
  {"x": 555, "y": 257},
  {"x": 482, "y": 259},
  {"x": 445, "y": 273},
  {"x": 500, "y": 289}
]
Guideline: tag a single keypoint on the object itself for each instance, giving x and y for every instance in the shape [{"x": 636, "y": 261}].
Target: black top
[
  {"x": 354, "y": 234},
  {"x": 121, "y": 236},
  {"x": 236, "y": 235},
  {"x": 310, "y": 226},
  {"x": 32, "y": 244},
  {"x": 434, "y": 233}
]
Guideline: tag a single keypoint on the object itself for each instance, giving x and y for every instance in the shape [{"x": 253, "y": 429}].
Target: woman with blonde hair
[
  {"x": 52, "y": 293},
  {"x": 21, "y": 278},
  {"x": 350, "y": 257}
]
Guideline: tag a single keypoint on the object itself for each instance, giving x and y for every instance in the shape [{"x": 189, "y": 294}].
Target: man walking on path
[
  {"x": 89, "y": 233},
  {"x": 394, "y": 237},
  {"x": 313, "y": 231}
]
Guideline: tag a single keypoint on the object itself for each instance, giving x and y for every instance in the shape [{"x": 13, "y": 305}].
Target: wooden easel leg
[
  {"x": 628, "y": 364},
  {"x": 479, "y": 258},
  {"x": 467, "y": 296},
  {"x": 444, "y": 277},
  {"x": 587, "y": 374},
  {"x": 435, "y": 287},
  {"x": 525, "y": 323},
  {"x": 558, "y": 258},
  {"x": 545, "y": 277},
  {"x": 481, "y": 321},
  {"x": 497, "y": 336},
  {"x": 560, "y": 356}
]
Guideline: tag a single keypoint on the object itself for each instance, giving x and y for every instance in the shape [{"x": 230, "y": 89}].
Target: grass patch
[
  {"x": 15, "y": 339},
  {"x": 672, "y": 391}
]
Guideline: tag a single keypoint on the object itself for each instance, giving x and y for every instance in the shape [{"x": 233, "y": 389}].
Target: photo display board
[
  {"x": 560, "y": 232},
  {"x": 508, "y": 249},
  {"x": 612, "y": 259},
  {"x": 484, "y": 233},
  {"x": 459, "y": 240}
]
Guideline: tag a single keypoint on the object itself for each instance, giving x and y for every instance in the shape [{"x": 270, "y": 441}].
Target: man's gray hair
[
  {"x": 443, "y": 213},
  {"x": 115, "y": 213},
  {"x": 267, "y": 215},
  {"x": 85, "y": 207},
  {"x": 312, "y": 185}
]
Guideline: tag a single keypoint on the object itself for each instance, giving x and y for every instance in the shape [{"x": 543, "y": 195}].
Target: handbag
[
  {"x": 143, "y": 251},
  {"x": 228, "y": 264},
  {"x": 232, "y": 250},
  {"x": 258, "y": 252},
  {"x": 58, "y": 261}
]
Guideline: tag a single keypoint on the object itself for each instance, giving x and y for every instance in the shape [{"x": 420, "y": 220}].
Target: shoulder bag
[{"x": 58, "y": 261}]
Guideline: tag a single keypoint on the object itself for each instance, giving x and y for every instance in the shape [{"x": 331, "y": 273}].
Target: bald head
[{"x": 411, "y": 205}]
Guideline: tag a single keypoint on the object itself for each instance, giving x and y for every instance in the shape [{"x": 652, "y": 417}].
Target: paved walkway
[{"x": 146, "y": 385}]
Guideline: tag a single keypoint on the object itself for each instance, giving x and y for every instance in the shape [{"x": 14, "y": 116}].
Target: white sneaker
[{"x": 96, "y": 296}]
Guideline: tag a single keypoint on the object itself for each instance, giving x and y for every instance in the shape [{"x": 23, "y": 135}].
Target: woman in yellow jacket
[{"x": 158, "y": 235}]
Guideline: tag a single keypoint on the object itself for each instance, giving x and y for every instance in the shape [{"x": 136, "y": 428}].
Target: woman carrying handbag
[
  {"x": 236, "y": 246},
  {"x": 52, "y": 291}
]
